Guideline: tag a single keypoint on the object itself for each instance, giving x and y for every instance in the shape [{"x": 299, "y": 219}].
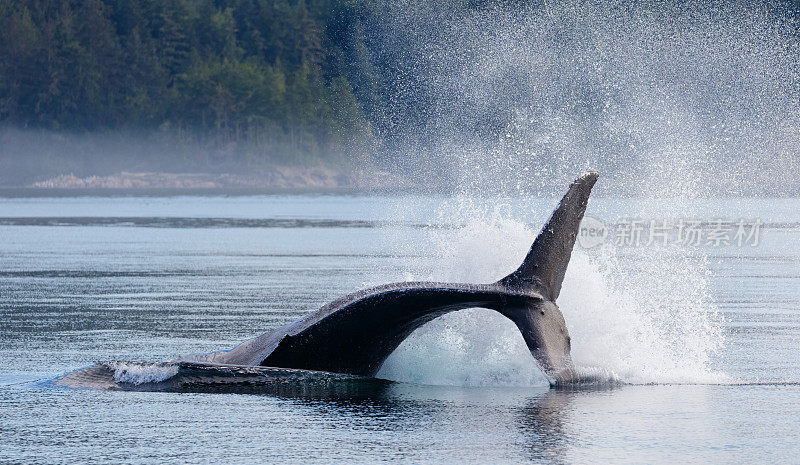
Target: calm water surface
[{"x": 88, "y": 279}]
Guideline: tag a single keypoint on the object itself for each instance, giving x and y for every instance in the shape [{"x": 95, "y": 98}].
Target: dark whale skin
[{"x": 355, "y": 334}]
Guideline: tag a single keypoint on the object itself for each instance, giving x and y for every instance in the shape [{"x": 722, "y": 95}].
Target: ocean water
[{"x": 695, "y": 345}]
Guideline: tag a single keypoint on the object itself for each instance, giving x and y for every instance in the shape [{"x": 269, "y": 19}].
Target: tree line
[{"x": 253, "y": 79}]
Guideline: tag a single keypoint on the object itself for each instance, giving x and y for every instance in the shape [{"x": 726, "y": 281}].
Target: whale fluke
[
  {"x": 544, "y": 267},
  {"x": 356, "y": 333}
]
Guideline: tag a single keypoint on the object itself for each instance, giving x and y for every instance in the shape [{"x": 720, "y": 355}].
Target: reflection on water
[{"x": 542, "y": 426}]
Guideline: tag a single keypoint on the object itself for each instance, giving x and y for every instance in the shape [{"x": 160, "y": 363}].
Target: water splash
[
  {"x": 141, "y": 373},
  {"x": 517, "y": 99},
  {"x": 475, "y": 347},
  {"x": 665, "y": 99},
  {"x": 635, "y": 315},
  {"x": 645, "y": 317}
]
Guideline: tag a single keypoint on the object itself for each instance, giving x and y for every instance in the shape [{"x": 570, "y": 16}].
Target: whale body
[{"x": 355, "y": 334}]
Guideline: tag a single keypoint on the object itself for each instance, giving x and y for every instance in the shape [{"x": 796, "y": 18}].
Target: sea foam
[{"x": 142, "y": 373}]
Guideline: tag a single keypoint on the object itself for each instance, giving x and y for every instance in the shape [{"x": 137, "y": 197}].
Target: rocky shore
[{"x": 279, "y": 178}]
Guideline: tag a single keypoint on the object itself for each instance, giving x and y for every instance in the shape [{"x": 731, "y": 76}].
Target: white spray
[{"x": 637, "y": 315}]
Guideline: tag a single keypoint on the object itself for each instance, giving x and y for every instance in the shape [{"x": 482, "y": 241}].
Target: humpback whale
[{"x": 354, "y": 335}]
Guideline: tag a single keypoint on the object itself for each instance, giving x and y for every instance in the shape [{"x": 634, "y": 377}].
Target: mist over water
[{"x": 683, "y": 100}]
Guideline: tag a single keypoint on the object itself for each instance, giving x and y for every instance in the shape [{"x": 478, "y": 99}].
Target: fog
[{"x": 685, "y": 100}]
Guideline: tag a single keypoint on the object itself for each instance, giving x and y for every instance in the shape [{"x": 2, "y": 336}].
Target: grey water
[{"x": 703, "y": 341}]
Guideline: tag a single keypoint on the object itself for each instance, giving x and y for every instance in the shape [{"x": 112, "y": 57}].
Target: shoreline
[
  {"x": 39, "y": 192},
  {"x": 279, "y": 180},
  {"x": 292, "y": 180}
]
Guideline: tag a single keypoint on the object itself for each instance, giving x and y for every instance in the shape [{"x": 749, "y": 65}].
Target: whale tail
[
  {"x": 540, "y": 321},
  {"x": 356, "y": 333},
  {"x": 544, "y": 267}
]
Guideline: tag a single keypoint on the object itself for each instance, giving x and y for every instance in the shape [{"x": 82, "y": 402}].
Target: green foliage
[{"x": 269, "y": 76}]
